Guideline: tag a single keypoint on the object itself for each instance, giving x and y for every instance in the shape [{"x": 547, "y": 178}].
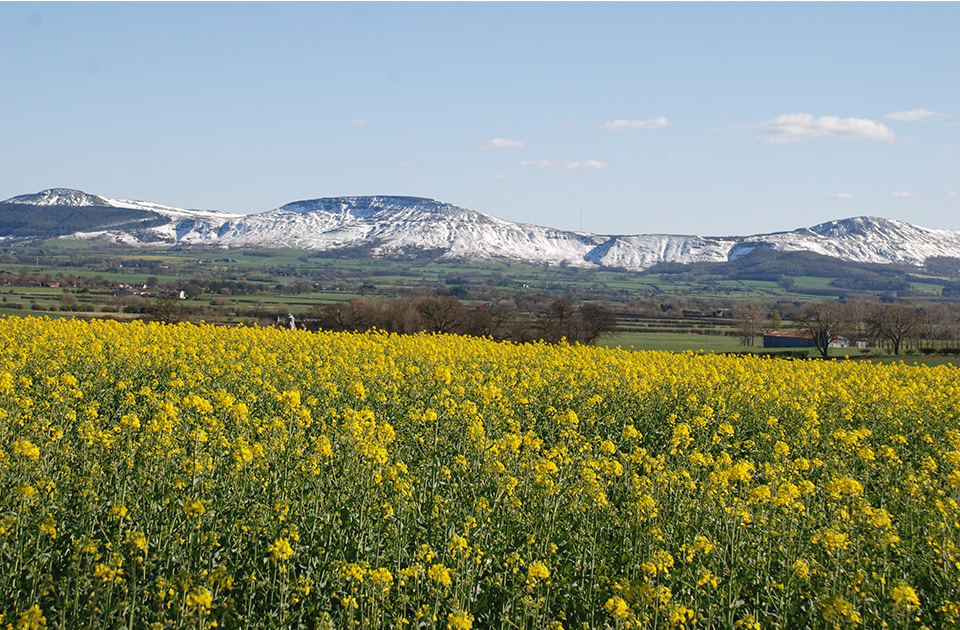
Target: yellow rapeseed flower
[
  {"x": 905, "y": 597},
  {"x": 538, "y": 571},
  {"x": 617, "y": 607},
  {"x": 459, "y": 620},
  {"x": 24, "y": 447},
  {"x": 440, "y": 574},
  {"x": 194, "y": 507},
  {"x": 281, "y": 549},
  {"x": 199, "y": 596}
]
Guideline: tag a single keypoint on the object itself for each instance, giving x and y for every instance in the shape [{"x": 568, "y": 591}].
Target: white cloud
[
  {"x": 907, "y": 194},
  {"x": 358, "y": 122},
  {"x": 633, "y": 125},
  {"x": 914, "y": 114},
  {"x": 953, "y": 193},
  {"x": 798, "y": 127},
  {"x": 841, "y": 195},
  {"x": 501, "y": 176},
  {"x": 501, "y": 143},
  {"x": 671, "y": 155},
  {"x": 406, "y": 164},
  {"x": 561, "y": 165}
]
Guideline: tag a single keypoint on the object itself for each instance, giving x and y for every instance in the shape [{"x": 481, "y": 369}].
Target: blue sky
[{"x": 710, "y": 118}]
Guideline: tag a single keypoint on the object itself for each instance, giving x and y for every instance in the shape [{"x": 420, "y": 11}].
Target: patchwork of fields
[{"x": 200, "y": 476}]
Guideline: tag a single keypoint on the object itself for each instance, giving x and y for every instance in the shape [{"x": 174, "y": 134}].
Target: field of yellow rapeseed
[{"x": 196, "y": 477}]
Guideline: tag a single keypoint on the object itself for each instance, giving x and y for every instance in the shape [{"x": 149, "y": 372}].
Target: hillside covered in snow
[{"x": 412, "y": 227}]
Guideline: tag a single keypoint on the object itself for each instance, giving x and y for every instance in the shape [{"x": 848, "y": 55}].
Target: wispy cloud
[
  {"x": 359, "y": 122},
  {"x": 561, "y": 165},
  {"x": 633, "y": 125},
  {"x": 501, "y": 176},
  {"x": 841, "y": 195},
  {"x": 406, "y": 164},
  {"x": 501, "y": 143},
  {"x": 908, "y": 194},
  {"x": 915, "y": 114},
  {"x": 799, "y": 127},
  {"x": 953, "y": 193}
]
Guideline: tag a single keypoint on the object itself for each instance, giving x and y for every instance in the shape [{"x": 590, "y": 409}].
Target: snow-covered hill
[
  {"x": 863, "y": 239},
  {"x": 180, "y": 225},
  {"x": 406, "y": 226},
  {"x": 424, "y": 228}
]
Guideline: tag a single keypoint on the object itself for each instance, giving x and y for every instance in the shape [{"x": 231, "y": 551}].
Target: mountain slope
[
  {"x": 74, "y": 213},
  {"x": 864, "y": 239},
  {"x": 424, "y": 228},
  {"x": 405, "y": 226}
]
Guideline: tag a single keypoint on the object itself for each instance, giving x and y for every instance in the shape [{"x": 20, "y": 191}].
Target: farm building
[{"x": 780, "y": 339}]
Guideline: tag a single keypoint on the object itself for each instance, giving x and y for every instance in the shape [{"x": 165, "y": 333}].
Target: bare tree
[
  {"x": 167, "y": 310},
  {"x": 582, "y": 325},
  {"x": 750, "y": 319},
  {"x": 596, "y": 319},
  {"x": 337, "y": 317},
  {"x": 558, "y": 323},
  {"x": 897, "y": 323},
  {"x": 856, "y": 313},
  {"x": 364, "y": 313},
  {"x": 441, "y": 315},
  {"x": 400, "y": 316},
  {"x": 822, "y": 320},
  {"x": 939, "y": 324},
  {"x": 775, "y": 322}
]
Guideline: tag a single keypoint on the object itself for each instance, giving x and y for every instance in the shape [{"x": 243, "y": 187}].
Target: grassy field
[
  {"x": 270, "y": 267},
  {"x": 673, "y": 342}
]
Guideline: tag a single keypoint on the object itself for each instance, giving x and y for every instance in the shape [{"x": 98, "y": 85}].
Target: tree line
[
  {"x": 561, "y": 320},
  {"x": 893, "y": 325}
]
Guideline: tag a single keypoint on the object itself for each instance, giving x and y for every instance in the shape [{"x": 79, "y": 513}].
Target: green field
[
  {"x": 269, "y": 268},
  {"x": 674, "y": 342}
]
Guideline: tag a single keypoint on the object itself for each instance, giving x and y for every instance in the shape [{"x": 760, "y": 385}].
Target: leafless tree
[
  {"x": 441, "y": 315},
  {"x": 940, "y": 324},
  {"x": 337, "y": 317},
  {"x": 558, "y": 323},
  {"x": 856, "y": 313},
  {"x": 750, "y": 319},
  {"x": 822, "y": 320},
  {"x": 596, "y": 319},
  {"x": 167, "y": 310},
  {"x": 896, "y": 323},
  {"x": 577, "y": 325}
]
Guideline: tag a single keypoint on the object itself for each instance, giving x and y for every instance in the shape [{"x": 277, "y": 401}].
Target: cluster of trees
[
  {"x": 896, "y": 325},
  {"x": 892, "y": 324},
  {"x": 444, "y": 314}
]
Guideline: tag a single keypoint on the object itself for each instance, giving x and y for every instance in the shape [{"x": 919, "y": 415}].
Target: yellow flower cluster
[{"x": 200, "y": 476}]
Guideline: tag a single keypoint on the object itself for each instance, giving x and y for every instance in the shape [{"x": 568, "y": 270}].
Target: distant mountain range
[{"x": 411, "y": 227}]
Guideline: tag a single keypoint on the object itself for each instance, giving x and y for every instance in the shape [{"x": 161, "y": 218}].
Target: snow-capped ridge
[
  {"x": 394, "y": 225},
  {"x": 60, "y": 197},
  {"x": 68, "y": 197}
]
